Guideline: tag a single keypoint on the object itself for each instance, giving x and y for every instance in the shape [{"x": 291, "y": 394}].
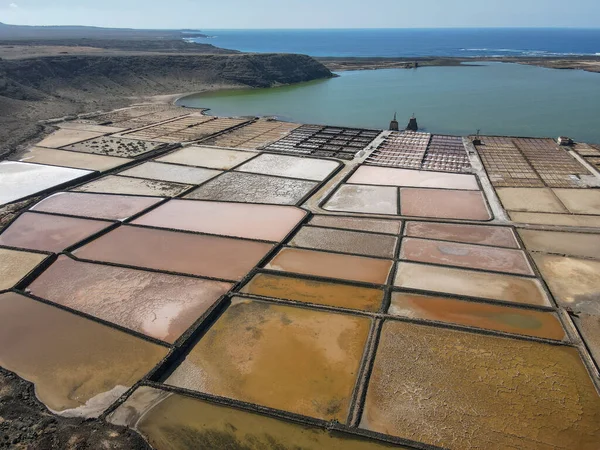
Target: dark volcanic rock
[
  {"x": 129, "y": 45},
  {"x": 150, "y": 75},
  {"x": 26, "y": 424},
  {"x": 32, "y": 33},
  {"x": 54, "y": 86}
]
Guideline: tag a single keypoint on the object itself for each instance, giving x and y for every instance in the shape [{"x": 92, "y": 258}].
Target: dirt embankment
[
  {"x": 42, "y": 88},
  {"x": 336, "y": 64},
  {"x": 23, "y": 48},
  {"x": 26, "y": 424},
  {"x": 15, "y": 32},
  {"x": 586, "y": 63}
]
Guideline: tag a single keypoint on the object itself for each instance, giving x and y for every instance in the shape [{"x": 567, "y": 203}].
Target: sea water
[{"x": 463, "y": 43}]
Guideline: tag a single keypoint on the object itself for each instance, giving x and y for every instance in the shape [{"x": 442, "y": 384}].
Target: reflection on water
[
  {"x": 174, "y": 422},
  {"x": 506, "y": 99}
]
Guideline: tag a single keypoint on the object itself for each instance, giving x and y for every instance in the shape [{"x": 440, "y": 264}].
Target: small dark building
[
  {"x": 412, "y": 124},
  {"x": 394, "y": 124}
]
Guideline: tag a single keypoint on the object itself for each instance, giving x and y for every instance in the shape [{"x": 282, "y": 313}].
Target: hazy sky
[{"x": 303, "y": 13}]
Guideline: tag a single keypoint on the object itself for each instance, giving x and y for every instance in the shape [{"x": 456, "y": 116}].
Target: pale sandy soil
[{"x": 335, "y": 64}]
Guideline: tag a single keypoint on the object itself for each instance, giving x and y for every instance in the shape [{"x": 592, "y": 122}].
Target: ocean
[
  {"x": 462, "y": 43},
  {"x": 495, "y": 98}
]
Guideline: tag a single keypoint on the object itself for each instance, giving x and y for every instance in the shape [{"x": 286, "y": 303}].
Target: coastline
[
  {"x": 341, "y": 64},
  {"x": 48, "y": 83},
  {"x": 37, "y": 89},
  {"x": 26, "y": 102},
  {"x": 32, "y": 122}
]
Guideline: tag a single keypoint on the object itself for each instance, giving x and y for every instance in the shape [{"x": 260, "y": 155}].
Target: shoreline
[
  {"x": 33, "y": 91},
  {"x": 25, "y": 110},
  {"x": 336, "y": 64},
  {"x": 37, "y": 90},
  {"x": 342, "y": 64}
]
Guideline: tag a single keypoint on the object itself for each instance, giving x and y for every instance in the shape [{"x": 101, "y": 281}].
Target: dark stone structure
[
  {"x": 412, "y": 124},
  {"x": 394, "y": 124}
]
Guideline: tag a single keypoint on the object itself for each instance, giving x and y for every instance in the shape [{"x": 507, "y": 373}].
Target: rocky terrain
[
  {"x": 339, "y": 64},
  {"x": 50, "y": 72},
  {"x": 26, "y": 424},
  {"x": 32, "y": 33},
  {"x": 25, "y": 48},
  {"x": 587, "y": 63},
  {"x": 40, "y": 88}
]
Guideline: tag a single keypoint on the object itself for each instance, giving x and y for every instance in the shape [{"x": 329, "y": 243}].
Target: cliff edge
[{"x": 46, "y": 87}]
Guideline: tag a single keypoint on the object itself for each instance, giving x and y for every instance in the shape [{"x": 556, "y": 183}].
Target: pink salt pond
[
  {"x": 469, "y": 234},
  {"x": 96, "y": 206},
  {"x": 465, "y": 255},
  {"x": 172, "y": 251},
  {"x": 262, "y": 222},
  {"x": 443, "y": 204},
  {"x": 387, "y": 176},
  {"x": 158, "y": 305},
  {"x": 49, "y": 233}
]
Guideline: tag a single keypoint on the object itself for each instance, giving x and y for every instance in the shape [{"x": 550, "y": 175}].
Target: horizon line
[{"x": 200, "y": 29}]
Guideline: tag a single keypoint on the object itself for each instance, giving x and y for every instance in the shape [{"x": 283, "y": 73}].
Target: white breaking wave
[{"x": 525, "y": 52}]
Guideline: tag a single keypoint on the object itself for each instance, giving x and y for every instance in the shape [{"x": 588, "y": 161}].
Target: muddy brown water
[
  {"x": 318, "y": 292},
  {"x": 331, "y": 265},
  {"x": 480, "y": 315},
  {"x": 573, "y": 244},
  {"x": 175, "y": 422},
  {"x": 589, "y": 327},
  {"x": 580, "y": 201},
  {"x": 574, "y": 282},
  {"x": 569, "y": 220},
  {"x": 535, "y": 200},
  {"x": 294, "y": 359},
  {"x": 79, "y": 367}
]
